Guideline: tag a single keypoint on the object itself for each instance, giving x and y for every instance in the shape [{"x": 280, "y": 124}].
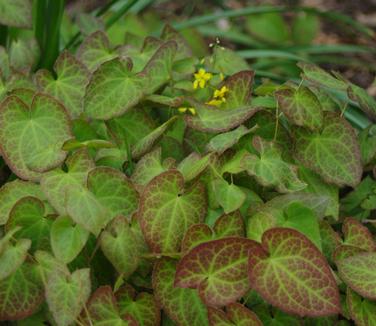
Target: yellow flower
[
  {"x": 214, "y": 102},
  {"x": 221, "y": 76},
  {"x": 184, "y": 109},
  {"x": 220, "y": 93},
  {"x": 201, "y": 78}
]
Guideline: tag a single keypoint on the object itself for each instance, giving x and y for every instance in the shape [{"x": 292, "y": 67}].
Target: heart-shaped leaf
[
  {"x": 302, "y": 281},
  {"x": 217, "y": 269},
  {"x": 67, "y": 294},
  {"x": 362, "y": 311},
  {"x": 167, "y": 210},
  {"x": 333, "y": 153},
  {"x": 236, "y": 314},
  {"x": 270, "y": 170},
  {"x": 113, "y": 190},
  {"x": 174, "y": 300},
  {"x": 16, "y": 13},
  {"x": 301, "y": 107},
  {"x": 122, "y": 245},
  {"x": 56, "y": 182},
  {"x": 359, "y": 273},
  {"x": 366, "y": 102},
  {"x": 31, "y": 137},
  {"x": 112, "y": 90},
  {"x": 12, "y": 192},
  {"x": 21, "y": 293},
  {"x": 67, "y": 239},
  {"x": 358, "y": 235},
  {"x": 239, "y": 88},
  {"x": 229, "y": 196},
  {"x": 69, "y": 85},
  {"x": 95, "y": 50},
  {"x": 30, "y": 215},
  {"x": 142, "y": 307},
  {"x": 102, "y": 309}
]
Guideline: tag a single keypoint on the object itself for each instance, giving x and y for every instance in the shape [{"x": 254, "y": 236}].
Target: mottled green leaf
[
  {"x": 236, "y": 314},
  {"x": 16, "y": 13},
  {"x": 193, "y": 165},
  {"x": 367, "y": 102},
  {"x": 333, "y": 153},
  {"x": 67, "y": 238},
  {"x": 167, "y": 210},
  {"x": 67, "y": 294},
  {"x": 362, "y": 311},
  {"x": 357, "y": 235},
  {"x": 217, "y": 269},
  {"x": 269, "y": 169},
  {"x": 300, "y": 106},
  {"x": 303, "y": 283},
  {"x": 142, "y": 307},
  {"x": 174, "y": 299},
  {"x": 229, "y": 196},
  {"x": 239, "y": 87},
  {"x": 359, "y": 273},
  {"x": 69, "y": 85},
  {"x": 21, "y": 293},
  {"x": 31, "y": 137}
]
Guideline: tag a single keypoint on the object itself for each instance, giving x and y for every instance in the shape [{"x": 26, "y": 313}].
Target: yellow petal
[{"x": 182, "y": 110}]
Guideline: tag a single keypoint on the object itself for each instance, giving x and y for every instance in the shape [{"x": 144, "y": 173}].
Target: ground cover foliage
[{"x": 153, "y": 187}]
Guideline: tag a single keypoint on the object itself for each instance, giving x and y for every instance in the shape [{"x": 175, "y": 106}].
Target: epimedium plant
[{"x": 151, "y": 187}]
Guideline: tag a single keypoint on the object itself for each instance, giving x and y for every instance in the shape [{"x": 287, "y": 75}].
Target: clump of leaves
[{"x": 151, "y": 187}]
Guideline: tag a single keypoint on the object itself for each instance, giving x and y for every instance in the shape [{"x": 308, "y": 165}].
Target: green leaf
[
  {"x": 158, "y": 70},
  {"x": 12, "y": 253},
  {"x": 174, "y": 299},
  {"x": 274, "y": 317},
  {"x": 84, "y": 209},
  {"x": 56, "y": 183},
  {"x": 367, "y": 102},
  {"x": 330, "y": 240},
  {"x": 224, "y": 141},
  {"x": 21, "y": 293},
  {"x": 216, "y": 120},
  {"x": 268, "y": 28},
  {"x": 320, "y": 77},
  {"x": 146, "y": 143},
  {"x": 269, "y": 169},
  {"x": 303, "y": 283},
  {"x": 305, "y": 27},
  {"x": 148, "y": 167},
  {"x": 167, "y": 210},
  {"x": 29, "y": 214},
  {"x": 304, "y": 220},
  {"x": 362, "y": 311},
  {"x": 359, "y": 273},
  {"x": 15, "y": 13},
  {"x": 236, "y": 314},
  {"x": 316, "y": 185},
  {"x": 102, "y": 310},
  {"x": 31, "y": 137},
  {"x": 69, "y": 85},
  {"x": 113, "y": 89},
  {"x": 113, "y": 190},
  {"x": 301, "y": 107},
  {"x": 229, "y": 196},
  {"x": 122, "y": 245},
  {"x": 217, "y": 269},
  {"x": 67, "y": 239},
  {"x": 358, "y": 235},
  {"x": 23, "y": 54},
  {"x": 142, "y": 307},
  {"x": 95, "y": 50},
  {"x": 12, "y": 192},
  {"x": 193, "y": 165},
  {"x": 67, "y": 294},
  {"x": 228, "y": 61},
  {"x": 333, "y": 153},
  {"x": 196, "y": 234}
]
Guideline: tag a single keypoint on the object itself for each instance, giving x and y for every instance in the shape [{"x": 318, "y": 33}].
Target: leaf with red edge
[
  {"x": 195, "y": 235},
  {"x": 218, "y": 269},
  {"x": 183, "y": 306},
  {"x": 291, "y": 274},
  {"x": 357, "y": 235},
  {"x": 330, "y": 239},
  {"x": 239, "y": 89},
  {"x": 167, "y": 210},
  {"x": 344, "y": 251},
  {"x": 359, "y": 273},
  {"x": 236, "y": 314},
  {"x": 142, "y": 307},
  {"x": 21, "y": 293},
  {"x": 102, "y": 310},
  {"x": 362, "y": 311}
]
